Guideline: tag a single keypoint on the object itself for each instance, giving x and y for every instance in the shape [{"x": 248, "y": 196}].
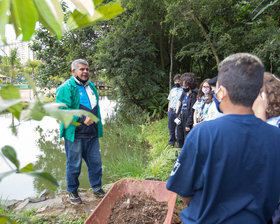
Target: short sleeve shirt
[
  {"x": 174, "y": 96},
  {"x": 202, "y": 109},
  {"x": 213, "y": 113},
  {"x": 230, "y": 168},
  {"x": 275, "y": 121}
]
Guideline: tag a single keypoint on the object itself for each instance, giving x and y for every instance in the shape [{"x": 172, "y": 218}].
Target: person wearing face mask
[
  {"x": 228, "y": 170},
  {"x": 173, "y": 98},
  {"x": 184, "y": 108},
  {"x": 266, "y": 107},
  {"x": 81, "y": 142},
  {"x": 213, "y": 110},
  {"x": 203, "y": 102}
]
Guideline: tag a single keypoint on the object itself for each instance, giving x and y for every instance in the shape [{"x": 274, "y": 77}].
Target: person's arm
[
  {"x": 179, "y": 104},
  {"x": 189, "y": 122},
  {"x": 178, "y": 107},
  {"x": 168, "y": 106},
  {"x": 194, "y": 118}
]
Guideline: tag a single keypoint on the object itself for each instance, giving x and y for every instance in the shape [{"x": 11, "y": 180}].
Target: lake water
[{"x": 37, "y": 142}]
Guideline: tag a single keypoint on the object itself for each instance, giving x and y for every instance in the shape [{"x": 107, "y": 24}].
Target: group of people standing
[
  {"x": 228, "y": 168},
  {"x": 189, "y": 106}
]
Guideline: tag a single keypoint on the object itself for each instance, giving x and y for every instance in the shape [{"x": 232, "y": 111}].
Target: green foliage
[
  {"x": 142, "y": 153},
  {"x": 126, "y": 164},
  {"x": 125, "y": 158},
  {"x": 128, "y": 52},
  {"x": 58, "y": 54},
  {"x": 10, "y": 65},
  {"x": 23, "y": 15},
  {"x": 9, "y": 153},
  {"x": 266, "y": 7},
  {"x": 230, "y": 28},
  {"x": 161, "y": 155},
  {"x": 11, "y": 100}
]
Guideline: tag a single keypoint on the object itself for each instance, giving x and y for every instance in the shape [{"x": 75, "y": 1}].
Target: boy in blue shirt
[{"x": 227, "y": 171}]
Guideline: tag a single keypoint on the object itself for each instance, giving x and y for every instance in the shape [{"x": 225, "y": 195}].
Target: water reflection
[
  {"x": 39, "y": 143},
  {"x": 53, "y": 159}
]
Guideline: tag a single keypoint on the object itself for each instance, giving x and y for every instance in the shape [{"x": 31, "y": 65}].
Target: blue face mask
[{"x": 217, "y": 101}]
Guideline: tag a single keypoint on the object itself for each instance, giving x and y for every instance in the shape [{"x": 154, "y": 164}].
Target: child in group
[
  {"x": 267, "y": 104},
  {"x": 228, "y": 169},
  {"x": 203, "y": 102},
  {"x": 213, "y": 112},
  {"x": 173, "y": 98},
  {"x": 185, "y": 107},
  {"x": 267, "y": 107}
]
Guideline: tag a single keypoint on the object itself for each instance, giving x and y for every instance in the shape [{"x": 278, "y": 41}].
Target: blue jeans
[{"x": 89, "y": 150}]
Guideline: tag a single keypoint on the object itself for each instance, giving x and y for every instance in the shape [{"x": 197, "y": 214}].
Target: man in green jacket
[{"x": 81, "y": 141}]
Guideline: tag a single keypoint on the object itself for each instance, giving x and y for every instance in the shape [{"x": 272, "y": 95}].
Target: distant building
[
  {"x": 23, "y": 50},
  {"x": 4, "y": 78}
]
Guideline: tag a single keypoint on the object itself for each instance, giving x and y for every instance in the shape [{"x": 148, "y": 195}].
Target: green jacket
[{"x": 68, "y": 94}]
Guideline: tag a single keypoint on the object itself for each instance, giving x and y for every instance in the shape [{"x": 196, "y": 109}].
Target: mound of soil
[{"x": 140, "y": 209}]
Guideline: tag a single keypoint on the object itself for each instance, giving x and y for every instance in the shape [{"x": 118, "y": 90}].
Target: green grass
[
  {"x": 138, "y": 151},
  {"x": 123, "y": 151},
  {"x": 162, "y": 156}
]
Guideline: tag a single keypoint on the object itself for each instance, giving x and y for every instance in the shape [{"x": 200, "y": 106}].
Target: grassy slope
[
  {"x": 162, "y": 156},
  {"x": 142, "y": 151}
]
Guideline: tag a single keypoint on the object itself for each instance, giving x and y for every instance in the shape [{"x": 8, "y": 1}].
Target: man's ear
[
  {"x": 223, "y": 92},
  {"x": 73, "y": 71}
]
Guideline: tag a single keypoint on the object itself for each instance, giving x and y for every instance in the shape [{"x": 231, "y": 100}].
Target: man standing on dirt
[
  {"x": 81, "y": 141},
  {"x": 228, "y": 170}
]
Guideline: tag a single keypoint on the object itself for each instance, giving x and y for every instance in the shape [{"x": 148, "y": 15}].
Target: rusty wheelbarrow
[{"x": 154, "y": 189}]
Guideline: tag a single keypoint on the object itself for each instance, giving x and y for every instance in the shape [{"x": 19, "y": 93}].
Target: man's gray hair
[{"x": 77, "y": 62}]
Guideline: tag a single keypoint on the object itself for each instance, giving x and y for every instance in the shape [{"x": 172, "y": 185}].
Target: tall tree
[
  {"x": 57, "y": 55},
  {"x": 11, "y": 65},
  {"x": 133, "y": 52},
  {"x": 32, "y": 66}
]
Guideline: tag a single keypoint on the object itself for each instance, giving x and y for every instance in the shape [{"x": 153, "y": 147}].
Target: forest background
[{"x": 141, "y": 49}]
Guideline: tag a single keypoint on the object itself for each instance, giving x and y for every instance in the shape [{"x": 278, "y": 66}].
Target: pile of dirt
[{"x": 138, "y": 209}]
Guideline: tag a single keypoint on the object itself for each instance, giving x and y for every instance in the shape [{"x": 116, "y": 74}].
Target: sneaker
[
  {"x": 74, "y": 198},
  {"x": 99, "y": 193}
]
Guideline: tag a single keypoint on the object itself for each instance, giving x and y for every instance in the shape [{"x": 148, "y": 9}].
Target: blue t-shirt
[
  {"x": 84, "y": 100},
  {"x": 230, "y": 168}
]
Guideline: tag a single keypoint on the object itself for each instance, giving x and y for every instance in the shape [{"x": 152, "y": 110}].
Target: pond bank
[
  {"x": 145, "y": 154},
  {"x": 54, "y": 209}
]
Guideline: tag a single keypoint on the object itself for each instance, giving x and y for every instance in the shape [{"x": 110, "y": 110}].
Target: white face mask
[{"x": 217, "y": 101}]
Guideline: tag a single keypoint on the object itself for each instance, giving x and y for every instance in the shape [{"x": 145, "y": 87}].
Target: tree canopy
[{"x": 141, "y": 49}]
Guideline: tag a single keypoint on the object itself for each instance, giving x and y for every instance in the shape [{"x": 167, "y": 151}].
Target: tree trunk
[
  {"x": 171, "y": 61},
  {"x": 197, "y": 21},
  {"x": 161, "y": 49}
]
